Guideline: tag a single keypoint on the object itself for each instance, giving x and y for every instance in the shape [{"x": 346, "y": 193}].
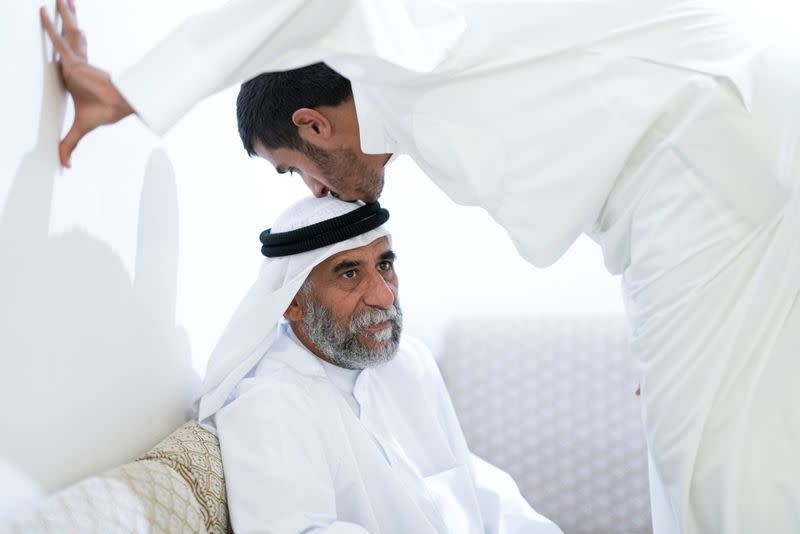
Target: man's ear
[
  {"x": 294, "y": 312},
  {"x": 312, "y": 125}
]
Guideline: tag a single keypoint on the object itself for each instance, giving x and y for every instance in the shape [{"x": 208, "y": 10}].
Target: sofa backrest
[{"x": 551, "y": 401}]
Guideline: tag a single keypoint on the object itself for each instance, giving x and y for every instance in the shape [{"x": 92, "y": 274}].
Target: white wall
[{"x": 94, "y": 369}]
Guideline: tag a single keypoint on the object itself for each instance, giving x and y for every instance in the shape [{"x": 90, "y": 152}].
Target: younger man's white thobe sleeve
[
  {"x": 277, "y": 471},
  {"x": 243, "y": 38}
]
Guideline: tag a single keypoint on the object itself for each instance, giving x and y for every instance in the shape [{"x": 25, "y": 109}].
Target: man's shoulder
[{"x": 278, "y": 383}]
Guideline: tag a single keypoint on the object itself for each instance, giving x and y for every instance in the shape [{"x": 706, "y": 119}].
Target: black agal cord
[{"x": 357, "y": 222}]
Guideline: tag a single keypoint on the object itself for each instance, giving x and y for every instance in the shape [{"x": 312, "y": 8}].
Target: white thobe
[
  {"x": 310, "y": 447},
  {"x": 654, "y": 126}
]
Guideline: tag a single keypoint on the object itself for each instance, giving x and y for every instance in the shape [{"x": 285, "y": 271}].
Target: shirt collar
[
  {"x": 343, "y": 379},
  {"x": 289, "y": 350}
]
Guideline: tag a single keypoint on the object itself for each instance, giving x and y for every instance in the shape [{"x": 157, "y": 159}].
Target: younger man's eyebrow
[
  {"x": 389, "y": 255},
  {"x": 346, "y": 264}
]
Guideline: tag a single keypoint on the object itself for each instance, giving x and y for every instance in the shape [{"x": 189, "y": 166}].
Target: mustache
[{"x": 372, "y": 316}]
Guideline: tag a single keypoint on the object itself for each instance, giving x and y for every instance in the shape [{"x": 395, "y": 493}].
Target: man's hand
[{"x": 96, "y": 100}]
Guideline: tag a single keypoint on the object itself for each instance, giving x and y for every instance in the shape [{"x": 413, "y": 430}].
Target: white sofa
[{"x": 550, "y": 400}]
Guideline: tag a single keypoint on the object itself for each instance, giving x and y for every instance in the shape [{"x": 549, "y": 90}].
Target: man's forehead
[
  {"x": 280, "y": 157},
  {"x": 377, "y": 247},
  {"x": 266, "y": 153}
]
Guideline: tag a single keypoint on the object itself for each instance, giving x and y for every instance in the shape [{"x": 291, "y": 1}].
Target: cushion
[
  {"x": 177, "y": 487},
  {"x": 145, "y": 496},
  {"x": 193, "y": 452}
]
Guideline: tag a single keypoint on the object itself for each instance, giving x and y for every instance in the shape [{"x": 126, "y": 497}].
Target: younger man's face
[{"x": 346, "y": 173}]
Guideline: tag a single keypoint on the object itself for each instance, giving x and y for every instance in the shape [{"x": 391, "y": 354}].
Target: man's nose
[
  {"x": 379, "y": 294},
  {"x": 317, "y": 188}
]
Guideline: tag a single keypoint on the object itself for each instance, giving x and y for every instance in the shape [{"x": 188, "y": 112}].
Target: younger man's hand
[{"x": 97, "y": 101}]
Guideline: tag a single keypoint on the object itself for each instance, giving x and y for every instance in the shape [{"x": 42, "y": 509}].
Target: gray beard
[{"x": 341, "y": 345}]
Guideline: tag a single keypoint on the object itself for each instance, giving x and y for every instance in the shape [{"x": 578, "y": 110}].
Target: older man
[{"x": 328, "y": 420}]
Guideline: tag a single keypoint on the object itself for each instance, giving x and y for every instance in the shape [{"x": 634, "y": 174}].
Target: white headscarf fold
[{"x": 253, "y": 327}]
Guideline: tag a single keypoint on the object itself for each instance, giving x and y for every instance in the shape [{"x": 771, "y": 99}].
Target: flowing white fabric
[
  {"x": 308, "y": 448},
  {"x": 419, "y": 67},
  {"x": 703, "y": 225},
  {"x": 252, "y": 329},
  {"x": 658, "y": 127}
]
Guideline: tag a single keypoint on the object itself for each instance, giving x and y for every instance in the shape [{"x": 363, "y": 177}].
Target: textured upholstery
[
  {"x": 177, "y": 487},
  {"x": 194, "y": 453},
  {"x": 551, "y": 401},
  {"x": 143, "y": 496}
]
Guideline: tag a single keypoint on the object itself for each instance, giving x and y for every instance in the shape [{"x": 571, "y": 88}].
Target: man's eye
[
  {"x": 384, "y": 265},
  {"x": 349, "y": 274}
]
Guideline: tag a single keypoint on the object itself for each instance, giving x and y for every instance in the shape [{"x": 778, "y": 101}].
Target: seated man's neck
[{"x": 304, "y": 340}]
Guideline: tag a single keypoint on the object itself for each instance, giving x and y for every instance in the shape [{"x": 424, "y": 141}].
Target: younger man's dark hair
[{"x": 266, "y": 103}]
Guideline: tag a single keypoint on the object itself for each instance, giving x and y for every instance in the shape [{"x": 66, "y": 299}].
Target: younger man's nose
[{"x": 318, "y": 189}]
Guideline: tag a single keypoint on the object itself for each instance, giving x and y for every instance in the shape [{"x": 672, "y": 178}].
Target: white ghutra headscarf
[{"x": 253, "y": 327}]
